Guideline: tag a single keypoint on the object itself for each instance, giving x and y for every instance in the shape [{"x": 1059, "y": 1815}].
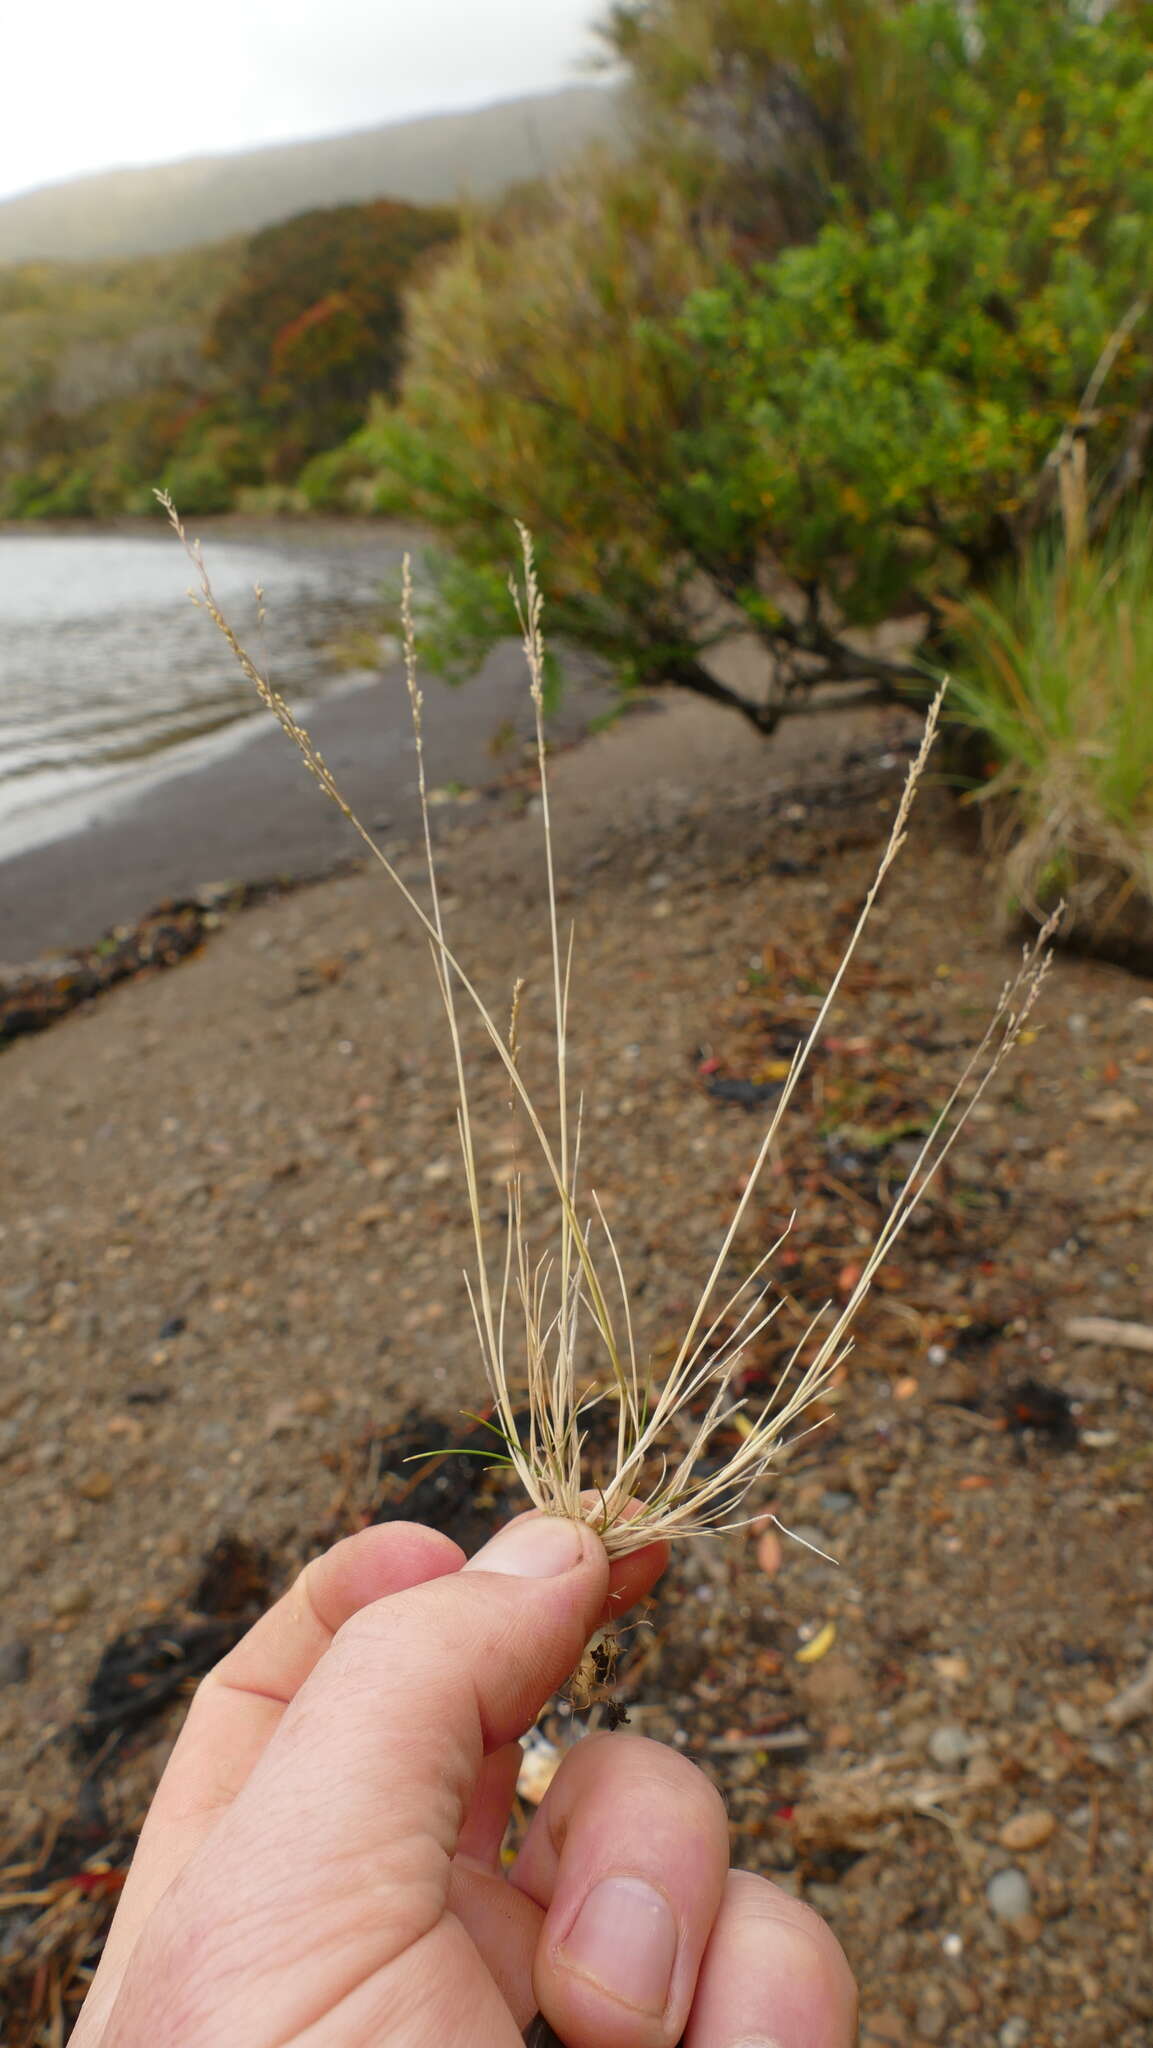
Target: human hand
[{"x": 320, "y": 1867}]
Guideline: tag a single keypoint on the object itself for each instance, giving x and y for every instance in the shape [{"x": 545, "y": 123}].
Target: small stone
[
  {"x": 950, "y": 1745},
  {"x": 932, "y": 2014},
  {"x": 95, "y": 1486},
  {"x": 539, "y": 1766},
  {"x": 1027, "y": 1929},
  {"x": 315, "y": 1401},
  {"x": 884, "y": 2030},
  {"x": 835, "y": 1503},
  {"x": 1028, "y": 1830},
  {"x": 1069, "y": 1718},
  {"x": 1014, "y": 2033},
  {"x": 281, "y": 1418},
  {"x": 15, "y": 1663},
  {"x": 952, "y": 1669},
  {"x": 1112, "y": 1109},
  {"x": 982, "y": 1772},
  {"x": 1009, "y": 1894},
  {"x": 70, "y": 1598}
]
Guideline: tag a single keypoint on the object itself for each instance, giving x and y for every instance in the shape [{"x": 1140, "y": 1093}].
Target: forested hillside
[{"x": 211, "y": 371}]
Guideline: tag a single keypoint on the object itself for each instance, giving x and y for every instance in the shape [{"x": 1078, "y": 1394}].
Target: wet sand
[{"x": 250, "y": 813}]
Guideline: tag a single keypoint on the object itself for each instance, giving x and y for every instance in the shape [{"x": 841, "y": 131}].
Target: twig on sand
[
  {"x": 1103, "y": 1330},
  {"x": 1132, "y": 1701}
]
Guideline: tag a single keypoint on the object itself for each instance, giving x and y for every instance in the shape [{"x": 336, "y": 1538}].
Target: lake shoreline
[
  {"x": 110, "y": 809},
  {"x": 110, "y": 679},
  {"x": 249, "y": 814}
]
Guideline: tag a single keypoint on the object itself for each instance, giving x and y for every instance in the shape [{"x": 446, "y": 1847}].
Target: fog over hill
[{"x": 141, "y": 212}]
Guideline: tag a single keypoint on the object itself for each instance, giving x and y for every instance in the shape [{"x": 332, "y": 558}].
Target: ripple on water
[{"x": 105, "y": 666}]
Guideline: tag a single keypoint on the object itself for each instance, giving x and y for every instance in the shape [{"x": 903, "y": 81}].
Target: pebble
[
  {"x": 539, "y": 1766},
  {"x": 15, "y": 1663},
  {"x": 95, "y": 1486},
  {"x": 932, "y": 2018},
  {"x": 70, "y": 1598},
  {"x": 883, "y": 2030},
  {"x": 950, "y": 1745},
  {"x": 833, "y": 1503},
  {"x": 1014, "y": 2033},
  {"x": 1028, "y": 1830},
  {"x": 1009, "y": 1894},
  {"x": 315, "y": 1401}
]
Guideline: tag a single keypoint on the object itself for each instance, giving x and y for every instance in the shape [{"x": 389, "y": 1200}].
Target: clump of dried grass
[{"x": 540, "y": 1404}]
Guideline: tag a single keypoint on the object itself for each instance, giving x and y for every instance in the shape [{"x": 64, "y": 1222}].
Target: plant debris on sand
[{"x": 229, "y": 1268}]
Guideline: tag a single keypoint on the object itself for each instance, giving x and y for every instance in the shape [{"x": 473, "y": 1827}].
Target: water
[{"x": 109, "y": 675}]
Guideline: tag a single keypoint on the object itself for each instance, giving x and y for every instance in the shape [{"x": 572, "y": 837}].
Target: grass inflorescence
[{"x": 533, "y": 1312}]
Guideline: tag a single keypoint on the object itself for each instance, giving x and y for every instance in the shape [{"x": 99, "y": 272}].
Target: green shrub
[
  {"x": 547, "y": 382},
  {"x": 199, "y": 483},
  {"x": 59, "y": 487},
  {"x": 340, "y": 479},
  {"x": 705, "y": 444}
]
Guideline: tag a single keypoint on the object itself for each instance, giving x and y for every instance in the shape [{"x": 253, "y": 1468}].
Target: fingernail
[
  {"x": 542, "y": 1547},
  {"x": 625, "y": 1939}
]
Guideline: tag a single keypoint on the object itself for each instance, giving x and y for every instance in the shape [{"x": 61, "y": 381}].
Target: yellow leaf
[
  {"x": 774, "y": 1070},
  {"x": 821, "y": 1644}
]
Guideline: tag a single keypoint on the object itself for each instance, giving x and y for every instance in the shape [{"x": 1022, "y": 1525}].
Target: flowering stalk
[{"x": 539, "y": 1406}]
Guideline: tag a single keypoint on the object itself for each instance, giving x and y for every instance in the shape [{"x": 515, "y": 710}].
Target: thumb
[{"x": 334, "y": 1860}]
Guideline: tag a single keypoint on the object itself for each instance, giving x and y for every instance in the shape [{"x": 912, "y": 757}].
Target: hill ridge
[{"x": 154, "y": 209}]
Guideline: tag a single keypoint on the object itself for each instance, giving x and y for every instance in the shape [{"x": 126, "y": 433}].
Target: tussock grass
[
  {"x": 532, "y": 1311},
  {"x": 1055, "y": 669}
]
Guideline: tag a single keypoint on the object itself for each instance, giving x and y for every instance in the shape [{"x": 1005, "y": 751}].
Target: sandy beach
[{"x": 231, "y": 1246}]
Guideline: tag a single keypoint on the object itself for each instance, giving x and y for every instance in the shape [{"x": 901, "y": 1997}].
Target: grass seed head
[{"x": 665, "y": 1481}]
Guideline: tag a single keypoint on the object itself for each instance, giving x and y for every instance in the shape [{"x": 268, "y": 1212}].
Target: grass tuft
[
  {"x": 1056, "y": 671},
  {"x": 531, "y": 1313}
]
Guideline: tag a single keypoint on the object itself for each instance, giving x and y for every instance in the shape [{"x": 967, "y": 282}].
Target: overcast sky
[{"x": 89, "y": 87}]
